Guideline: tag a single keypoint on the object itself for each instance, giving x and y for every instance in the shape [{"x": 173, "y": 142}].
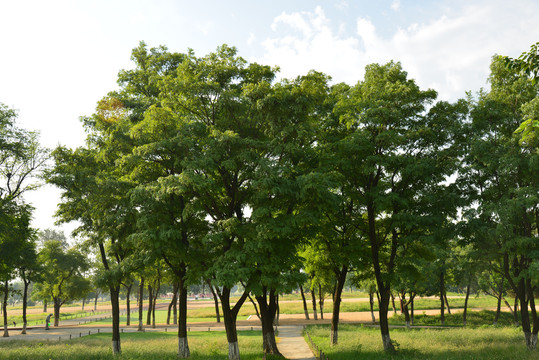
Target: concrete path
[{"x": 292, "y": 345}]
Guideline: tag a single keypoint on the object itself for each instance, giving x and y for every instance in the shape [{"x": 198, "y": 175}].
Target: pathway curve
[{"x": 292, "y": 345}]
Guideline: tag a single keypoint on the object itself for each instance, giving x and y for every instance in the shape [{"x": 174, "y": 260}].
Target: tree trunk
[
  {"x": 383, "y": 305},
  {"x": 150, "y": 306},
  {"x": 140, "y": 303},
  {"x": 268, "y": 310},
  {"x": 371, "y": 303},
  {"x": 499, "y": 305},
  {"x": 44, "y": 306},
  {"x": 24, "y": 305},
  {"x": 183, "y": 345},
  {"x": 515, "y": 311},
  {"x": 412, "y": 310},
  {"x": 393, "y": 304},
  {"x": 466, "y": 302},
  {"x": 83, "y": 302},
  {"x": 406, "y": 313},
  {"x": 229, "y": 317},
  {"x": 341, "y": 279},
  {"x": 172, "y": 302},
  {"x": 4, "y": 307},
  {"x": 442, "y": 302},
  {"x": 115, "y": 303},
  {"x": 313, "y": 296},
  {"x": 128, "y": 305},
  {"x": 95, "y": 302},
  {"x": 305, "y": 309},
  {"x": 57, "y": 305},
  {"x": 175, "y": 308},
  {"x": 156, "y": 294},
  {"x": 321, "y": 299},
  {"x": 215, "y": 300},
  {"x": 447, "y": 303}
]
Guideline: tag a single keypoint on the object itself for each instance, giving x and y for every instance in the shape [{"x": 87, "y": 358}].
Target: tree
[
  {"x": 403, "y": 156},
  {"x": 62, "y": 276},
  {"x": 500, "y": 177}
]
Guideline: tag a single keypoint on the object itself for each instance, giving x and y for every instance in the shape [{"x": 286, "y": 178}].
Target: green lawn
[
  {"x": 473, "y": 319},
  {"x": 203, "y": 346},
  {"x": 488, "y": 343},
  {"x": 161, "y": 318}
]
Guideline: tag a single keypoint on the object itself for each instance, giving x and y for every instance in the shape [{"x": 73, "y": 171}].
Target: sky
[{"x": 58, "y": 58}]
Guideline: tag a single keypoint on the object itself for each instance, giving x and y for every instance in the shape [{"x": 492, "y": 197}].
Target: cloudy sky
[{"x": 58, "y": 58}]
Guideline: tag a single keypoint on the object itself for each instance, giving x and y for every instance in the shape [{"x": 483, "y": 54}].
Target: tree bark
[
  {"x": 515, "y": 311},
  {"x": 305, "y": 309},
  {"x": 341, "y": 279},
  {"x": 44, "y": 306},
  {"x": 321, "y": 299},
  {"x": 140, "y": 303},
  {"x": 83, "y": 302},
  {"x": 156, "y": 294},
  {"x": 447, "y": 303},
  {"x": 268, "y": 309},
  {"x": 229, "y": 316},
  {"x": 57, "y": 305},
  {"x": 412, "y": 310},
  {"x": 393, "y": 303},
  {"x": 313, "y": 296}
]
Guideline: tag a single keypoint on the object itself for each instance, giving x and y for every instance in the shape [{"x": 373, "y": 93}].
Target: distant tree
[{"x": 62, "y": 276}]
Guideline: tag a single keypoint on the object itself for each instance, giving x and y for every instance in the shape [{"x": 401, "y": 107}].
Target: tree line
[{"x": 215, "y": 169}]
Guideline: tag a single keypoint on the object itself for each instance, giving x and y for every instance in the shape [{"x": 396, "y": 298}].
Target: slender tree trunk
[
  {"x": 175, "y": 308},
  {"x": 128, "y": 305},
  {"x": 371, "y": 303},
  {"x": 140, "y": 303},
  {"x": 466, "y": 302},
  {"x": 515, "y": 311},
  {"x": 321, "y": 299},
  {"x": 215, "y": 300},
  {"x": 24, "y": 305},
  {"x": 44, "y": 306},
  {"x": 95, "y": 302},
  {"x": 83, "y": 302},
  {"x": 4, "y": 307},
  {"x": 393, "y": 303},
  {"x": 305, "y": 309},
  {"x": 447, "y": 303},
  {"x": 156, "y": 294},
  {"x": 57, "y": 305},
  {"x": 268, "y": 309},
  {"x": 341, "y": 279},
  {"x": 276, "y": 321},
  {"x": 313, "y": 296},
  {"x": 442, "y": 302},
  {"x": 412, "y": 310},
  {"x": 172, "y": 302},
  {"x": 183, "y": 345},
  {"x": 115, "y": 302},
  {"x": 499, "y": 304},
  {"x": 405, "y": 311},
  {"x": 150, "y": 306}
]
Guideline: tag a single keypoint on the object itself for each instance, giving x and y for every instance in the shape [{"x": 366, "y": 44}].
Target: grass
[
  {"x": 39, "y": 319},
  {"x": 203, "y": 346},
  {"x": 489, "y": 343},
  {"x": 161, "y": 318},
  {"x": 473, "y": 319}
]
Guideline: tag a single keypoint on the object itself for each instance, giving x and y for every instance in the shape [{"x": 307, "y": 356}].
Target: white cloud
[
  {"x": 450, "y": 53},
  {"x": 396, "y": 5},
  {"x": 251, "y": 39}
]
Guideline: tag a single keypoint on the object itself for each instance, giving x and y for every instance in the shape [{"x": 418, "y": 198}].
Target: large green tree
[{"x": 403, "y": 155}]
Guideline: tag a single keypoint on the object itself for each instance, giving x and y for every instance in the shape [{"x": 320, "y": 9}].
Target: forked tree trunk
[
  {"x": 229, "y": 317},
  {"x": 140, "y": 303},
  {"x": 305, "y": 309},
  {"x": 173, "y": 301},
  {"x": 341, "y": 279},
  {"x": 268, "y": 309}
]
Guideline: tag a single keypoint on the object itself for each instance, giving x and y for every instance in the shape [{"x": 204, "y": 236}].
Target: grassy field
[
  {"x": 203, "y": 346},
  {"x": 161, "y": 318},
  {"x": 488, "y": 343},
  {"x": 473, "y": 319},
  {"x": 39, "y": 319}
]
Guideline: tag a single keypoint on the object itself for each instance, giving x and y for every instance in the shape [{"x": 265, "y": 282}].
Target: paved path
[{"x": 292, "y": 345}]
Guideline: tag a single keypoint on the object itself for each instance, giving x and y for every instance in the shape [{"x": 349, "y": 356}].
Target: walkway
[{"x": 292, "y": 345}]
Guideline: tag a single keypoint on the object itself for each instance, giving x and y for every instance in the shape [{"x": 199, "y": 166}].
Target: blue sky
[{"x": 59, "y": 58}]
